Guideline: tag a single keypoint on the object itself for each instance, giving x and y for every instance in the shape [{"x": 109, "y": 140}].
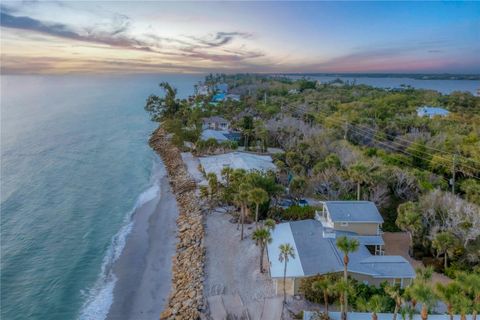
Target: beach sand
[{"x": 144, "y": 268}]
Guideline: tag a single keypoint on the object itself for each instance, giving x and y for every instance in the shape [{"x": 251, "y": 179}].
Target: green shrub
[{"x": 298, "y": 213}]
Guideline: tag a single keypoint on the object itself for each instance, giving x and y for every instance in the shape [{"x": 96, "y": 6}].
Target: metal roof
[
  {"x": 237, "y": 160},
  {"x": 316, "y": 254},
  {"x": 353, "y": 211}
]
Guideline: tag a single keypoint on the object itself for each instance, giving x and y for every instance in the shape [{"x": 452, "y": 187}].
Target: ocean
[{"x": 75, "y": 164}]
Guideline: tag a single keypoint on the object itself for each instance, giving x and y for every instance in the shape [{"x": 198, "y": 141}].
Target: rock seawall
[{"x": 186, "y": 296}]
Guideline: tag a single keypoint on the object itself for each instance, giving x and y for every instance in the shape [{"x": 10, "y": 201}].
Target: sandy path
[
  {"x": 144, "y": 267},
  {"x": 232, "y": 266}
]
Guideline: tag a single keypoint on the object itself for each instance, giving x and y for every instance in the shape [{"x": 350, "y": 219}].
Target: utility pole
[
  {"x": 454, "y": 160},
  {"x": 346, "y": 131}
]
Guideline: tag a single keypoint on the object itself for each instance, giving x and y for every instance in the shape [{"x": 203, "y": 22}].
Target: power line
[
  {"x": 410, "y": 142},
  {"x": 393, "y": 148},
  {"x": 370, "y": 131}
]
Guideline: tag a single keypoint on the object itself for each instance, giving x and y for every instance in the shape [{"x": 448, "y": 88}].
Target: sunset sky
[{"x": 147, "y": 37}]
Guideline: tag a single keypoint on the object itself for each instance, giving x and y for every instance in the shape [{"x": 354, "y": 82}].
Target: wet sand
[{"x": 144, "y": 269}]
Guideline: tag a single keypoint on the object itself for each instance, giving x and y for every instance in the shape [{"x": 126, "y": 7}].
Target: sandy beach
[{"x": 144, "y": 267}]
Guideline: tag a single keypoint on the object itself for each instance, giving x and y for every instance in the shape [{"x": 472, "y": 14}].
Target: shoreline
[
  {"x": 143, "y": 270},
  {"x": 186, "y": 299}
]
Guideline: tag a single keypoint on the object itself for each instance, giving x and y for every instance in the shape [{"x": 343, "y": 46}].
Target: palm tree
[
  {"x": 471, "y": 283},
  {"x": 462, "y": 305},
  {"x": 227, "y": 174},
  {"x": 262, "y": 238},
  {"x": 347, "y": 246},
  {"x": 242, "y": 199},
  {"x": 342, "y": 288},
  {"x": 395, "y": 293},
  {"x": 359, "y": 174},
  {"x": 448, "y": 293},
  {"x": 444, "y": 242},
  {"x": 376, "y": 304},
  {"x": 286, "y": 252},
  {"x": 410, "y": 220},
  {"x": 269, "y": 224},
  {"x": 326, "y": 286},
  {"x": 257, "y": 196},
  {"x": 424, "y": 294}
]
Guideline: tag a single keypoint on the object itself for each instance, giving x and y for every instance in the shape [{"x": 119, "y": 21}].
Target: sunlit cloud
[{"x": 154, "y": 37}]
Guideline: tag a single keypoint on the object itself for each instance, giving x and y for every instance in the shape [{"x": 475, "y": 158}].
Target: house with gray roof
[
  {"x": 428, "y": 111},
  {"x": 361, "y": 217},
  {"x": 316, "y": 252}
]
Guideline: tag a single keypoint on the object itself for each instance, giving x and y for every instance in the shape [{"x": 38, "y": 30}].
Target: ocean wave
[{"x": 100, "y": 297}]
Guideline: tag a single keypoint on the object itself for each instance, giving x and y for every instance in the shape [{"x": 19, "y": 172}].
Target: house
[
  {"x": 233, "y": 97},
  {"x": 221, "y": 87},
  {"x": 361, "y": 217},
  {"x": 202, "y": 90},
  {"x": 428, "y": 111},
  {"x": 236, "y": 160},
  {"x": 215, "y": 123},
  {"x": 220, "y": 135},
  {"x": 316, "y": 252}
]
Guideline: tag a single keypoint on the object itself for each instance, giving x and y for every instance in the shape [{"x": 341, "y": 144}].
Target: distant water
[
  {"x": 443, "y": 86},
  {"x": 74, "y": 163}
]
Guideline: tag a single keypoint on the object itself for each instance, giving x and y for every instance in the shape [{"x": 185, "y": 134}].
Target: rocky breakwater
[{"x": 186, "y": 296}]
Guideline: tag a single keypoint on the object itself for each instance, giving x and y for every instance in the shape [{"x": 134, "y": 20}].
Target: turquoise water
[
  {"x": 74, "y": 164},
  {"x": 75, "y": 161}
]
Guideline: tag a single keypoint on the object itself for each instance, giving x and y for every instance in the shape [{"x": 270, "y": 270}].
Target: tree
[
  {"x": 242, "y": 199},
  {"x": 470, "y": 283},
  {"x": 359, "y": 174},
  {"x": 247, "y": 129},
  {"x": 269, "y": 224},
  {"x": 376, "y": 304},
  {"x": 257, "y": 196},
  {"x": 444, "y": 243},
  {"x": 462, "y": 305},
  {"x": 347, "y": 246},
  {"x": 262, "y": 238},
  {"x": 447, "y": 293},
  {"x": 326, "y": 287},
  {"x": 286, "y": 252},
  {"x": 342, "y": 289},
  {"x": 424, "y": 294},
  {"x": 395, "y": 293},
  {"x": 409, "y": 220},
  {"x": 297, "y": 187},
  {"x": 167, "y": 106}
]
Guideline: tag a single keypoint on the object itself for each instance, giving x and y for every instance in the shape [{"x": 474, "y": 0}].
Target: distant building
[
  {"x": 221, "y": 87},
  {"x": 428, "y": 111},
  {"x": 202, "y": 90},
  {"x": 236, "y": 160},
  {"x": 316, "y": 252},
  {"x": 234, "y": 97},
  {"x": 215, "y": 123}
]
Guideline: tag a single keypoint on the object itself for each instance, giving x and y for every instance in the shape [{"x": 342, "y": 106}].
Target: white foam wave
[{"x": 100, "y": 297}]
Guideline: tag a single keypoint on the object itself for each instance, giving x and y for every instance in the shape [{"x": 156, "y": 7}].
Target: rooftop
[
  {"x": 353, "y": 211},
  {"x": 432, "y": 111},
  {"x": 315, "y": 254},
  {"x": 237, "y": 160}
]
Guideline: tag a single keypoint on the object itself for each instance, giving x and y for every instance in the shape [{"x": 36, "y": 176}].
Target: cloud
[{"x": 115, "y": 34}]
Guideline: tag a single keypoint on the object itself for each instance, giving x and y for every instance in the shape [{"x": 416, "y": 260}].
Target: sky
[{"x": 52, "y": 37}]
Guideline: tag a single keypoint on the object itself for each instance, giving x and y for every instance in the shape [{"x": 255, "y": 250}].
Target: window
[
  {"x": 397, "y": 281},
  {"x": 344, "y": 224}
]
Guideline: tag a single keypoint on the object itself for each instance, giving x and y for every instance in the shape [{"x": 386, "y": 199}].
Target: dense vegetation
[{"x": 348, "y": 141}]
